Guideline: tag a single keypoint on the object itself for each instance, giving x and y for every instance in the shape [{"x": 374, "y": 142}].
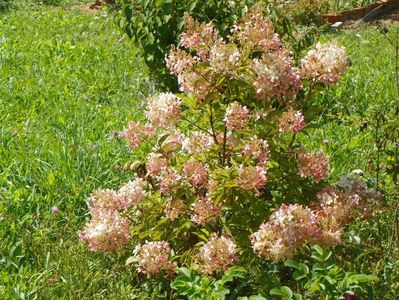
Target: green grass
[{"x": 68, "y": 79}]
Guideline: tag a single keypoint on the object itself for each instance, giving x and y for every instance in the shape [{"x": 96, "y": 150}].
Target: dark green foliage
[{"x": 156, "y": 25}]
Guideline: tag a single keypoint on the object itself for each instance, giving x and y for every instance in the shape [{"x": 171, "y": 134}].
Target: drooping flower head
[
  {"x": 153, "y": 258},
  {"x": 218, "y": 254}
]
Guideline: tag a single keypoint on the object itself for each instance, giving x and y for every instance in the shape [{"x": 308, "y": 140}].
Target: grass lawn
[{"x": 68, "y": 80}]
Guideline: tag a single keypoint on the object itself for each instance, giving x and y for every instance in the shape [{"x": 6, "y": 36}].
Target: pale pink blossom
[
  {"x": 107, "y": 200},
  {"x": 224, "y": 58},
  {"x": 325, "y": 63},
  {"x": 196, "y": 83},
  {"x": 169, "y": 181},
  {"x": 198, "y": 36},
  {"x": 156, "y": 163},
  {"x": 205, "y": 211},
  {"x": 107, "y": 231},
  {"x": 251, "y": 178},
  {"x": 55, "y": 210},
  {"x": 153, "y": 258},
  {"x": 257, "y": 32},
  {"x": 133, "y": 192},
  {"x": 135, "y": 133},
  {"x": 197, "y": 142},
  {"x": 237, "y": 116},
  {"x": 174, "y": 208},
  {"x": 257, "y": 149},
  {"x": 288, "y": 228},
  {"x": 196, "y": 173},
  {"x": 174, "y": 141},
  {"x": 291, "y": 121},
  {"x": 217, "y": 255},
  {"x": 179, "y": 61},
  {"x": 164, "y": 110},
  {"x": 275, "y": 76},
  {"x": 313, "y": 164}
]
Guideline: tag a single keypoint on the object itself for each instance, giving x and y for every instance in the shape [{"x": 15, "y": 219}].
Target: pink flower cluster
[
  {"x": 105, "y": 200},
  {"x": 251, "y": 178},
  {"x": 174, "y": 208},
  {"x": 224, "y": 58},
  {"x": 135, "y": 133},
  {"x": 196, "y": 173},
  {"x": 133, "y": 192},
  {"x": 198, "y": 37},
  {"x": 218, "y": 254},
  {"x": 173, "y": 141},
  {"x": 205, "y": 211},
  {"x": 197, "y": 142},
  {"x": 325, "y": 63},
  {"x": 256, "y": 32},
  {"x": 163, "y": 110},
  {"x": 292, "y": 226},
  {"x": 336, "y": 209},
  {"x": 292, "y": 121},
  {"x": 288, "y": 228},
  {"x": 153, "y": 258},
  {"x": 275, "y": 76},
  {"x": 313, "y": 164},
  {"x": 179, "y": 61},
  {"x": 237, "y": 116},
  {"x": 169, "y": 181},
  {"x": 156, "y": 163},
  {"x": 107, "y": 231},
  {"x": 257, "y": 149}
]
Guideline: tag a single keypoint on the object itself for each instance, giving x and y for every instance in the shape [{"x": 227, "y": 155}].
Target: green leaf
[
  {"x": 233, "y": 273},
  {"x": 128, "y": 11},
  {"x": 284, "y": 291},
  {"x": 361, "y": 278},
  {"x": 292, "y": 264},
  {"x": 257, "y": 297}
]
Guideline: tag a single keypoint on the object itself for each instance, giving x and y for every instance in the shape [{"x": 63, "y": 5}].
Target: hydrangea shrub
[{"x": 223, "y": 176}]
